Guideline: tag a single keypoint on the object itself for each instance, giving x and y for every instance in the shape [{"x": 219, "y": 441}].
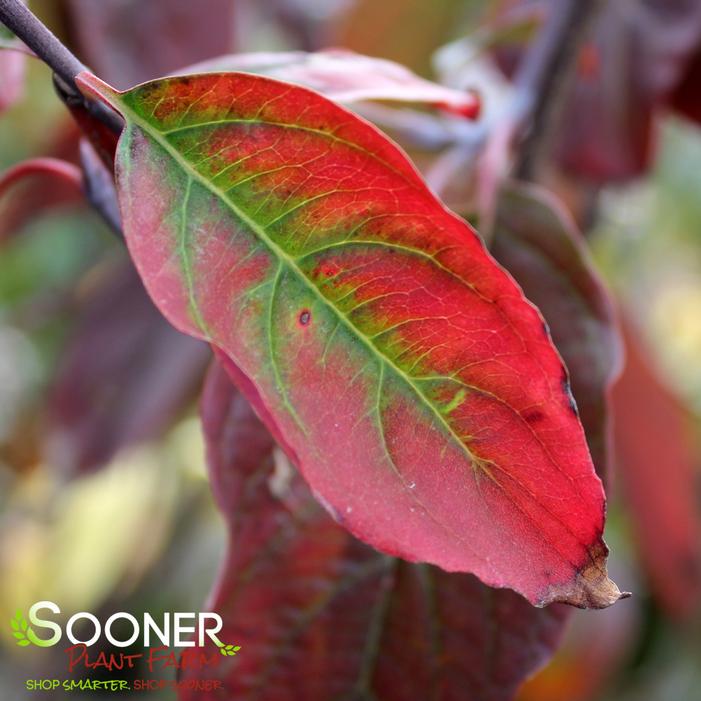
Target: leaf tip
[{"x": 590, "y": 589}]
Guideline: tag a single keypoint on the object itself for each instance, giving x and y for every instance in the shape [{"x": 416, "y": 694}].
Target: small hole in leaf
[{"x": 305, "y": 316}]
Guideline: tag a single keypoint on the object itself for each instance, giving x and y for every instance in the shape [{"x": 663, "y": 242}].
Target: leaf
[
  {"x": 685, "y": 99},
  {"x": 164, "y": 36},
  {"x": 300, "y": 593},
  {"x": 401, "y": 368},
  {"x": 373, "y": 28},
  {"x": 538, "y": 243},
  {"x": 638, "y": 54},
  {"x": 20, "y": 627},
  {"x": 30, "y": 190},
  {"x": 592, "y": 657},
  {"x": 27, "y": 183},
  {"x": 656, "y": 459},
  {"x": 229, "y": 650},
  {"x": 12, "y": 69},
  {"x": 345, "y": 76},
  {"x": 124, "y": 377}
]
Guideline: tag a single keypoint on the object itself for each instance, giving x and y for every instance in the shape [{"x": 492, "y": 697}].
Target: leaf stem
[{"x": 27, "y": 27}]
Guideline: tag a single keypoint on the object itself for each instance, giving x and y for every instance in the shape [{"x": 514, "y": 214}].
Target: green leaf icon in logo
[
  {"x": 228, "y": 650},
  {"x": 20, "y": 629}
]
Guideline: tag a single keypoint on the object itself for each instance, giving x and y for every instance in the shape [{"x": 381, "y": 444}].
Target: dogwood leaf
[
  {"x": 406, "y": 375},
  {"x": 330, "y": 604},
  {"x": 345, "y": 76}
]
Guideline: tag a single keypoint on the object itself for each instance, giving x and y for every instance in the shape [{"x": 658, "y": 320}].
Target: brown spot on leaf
[{"x": 305, "y": 316}]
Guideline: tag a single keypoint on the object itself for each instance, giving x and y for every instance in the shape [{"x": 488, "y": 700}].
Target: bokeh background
[{"x": 104, "y": 501}]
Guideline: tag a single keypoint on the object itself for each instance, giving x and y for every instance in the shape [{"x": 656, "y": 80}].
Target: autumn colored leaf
[
  {"x": 650, "y": 44},
  {"x": 166, "y": 35},
  {"x": 686, "y": 99},
  {"x": 345, "y": 76},
  {"x": 637, "y": 54},
  {"x": 592, "y": 653},
  {"x": 361, "y": 624},
  {"x": 399, "y": 365},
  {"x": 537, "y": 241},
  {"x": 124, "y": 377},
  {"x": 12, "y": 69},
  {"x": 24, "y": 193},
  {"x": 656, "y": 459},
  {"x": 370, "y": 28}
]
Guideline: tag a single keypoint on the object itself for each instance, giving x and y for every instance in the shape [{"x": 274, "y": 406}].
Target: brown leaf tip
[
  {"x": 590, "y": 589},
  {"x": 594, "y": 589}
]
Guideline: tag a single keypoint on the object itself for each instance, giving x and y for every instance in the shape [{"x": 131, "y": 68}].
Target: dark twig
[
  {"x": 99, "y": 189},
  {"x": 543, "y": 74},
  {"x": 27, "y": 27}
]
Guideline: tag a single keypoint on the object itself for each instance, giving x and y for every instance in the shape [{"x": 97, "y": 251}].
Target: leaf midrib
[{"x": 291, "y": 262}]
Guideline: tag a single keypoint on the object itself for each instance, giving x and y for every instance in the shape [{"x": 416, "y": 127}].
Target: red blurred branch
[
  {"x": 544, "y": 72},
  {"x": 538, "y": 92}
]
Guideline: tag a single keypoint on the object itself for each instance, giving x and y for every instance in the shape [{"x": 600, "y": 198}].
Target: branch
[
  {"x": 544, "y": 72},
  {"x": 98, "y": 186},
  {"x": 25, "y": 25}
]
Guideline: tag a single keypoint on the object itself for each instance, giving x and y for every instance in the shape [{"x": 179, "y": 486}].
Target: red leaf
[
  {"x": 36, "y": 184},
  {"x": 686, "y": 98},
  {"x": 99, "y": 135},
  {"x": 538, "y": 243},
  {"x": 641, "y": 49},
  {"x": 129, "y": 41},
  {"x": 124, "y": 377},
  {"x": 657, "y": 463},
  {"x": 594, "y": 651},
  {"x": 12, "y": 70},
  {"x": 345, "y": 76},
  {"x": 318, "y": 615},
  {"x": 404, "y": 370},
  {"x": 407, "y": 31},
  {"x": 639, "y": 52}
]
